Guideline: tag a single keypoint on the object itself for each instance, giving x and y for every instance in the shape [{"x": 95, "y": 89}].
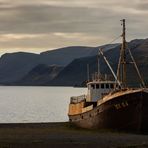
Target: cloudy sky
[{"x": 39, "y": 25}]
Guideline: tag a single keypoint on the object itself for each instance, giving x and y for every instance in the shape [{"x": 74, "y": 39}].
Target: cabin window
[
  {"x": 93, "y": 86},
  {"x": 97, "y": 86},
  {"x": 111, "y": 85},
  {"x": 107, "y": 85},
  {"x": 102, "y": 85}
]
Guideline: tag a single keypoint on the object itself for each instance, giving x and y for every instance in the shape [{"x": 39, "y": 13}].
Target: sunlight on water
[{"x": 36, "y": 104}]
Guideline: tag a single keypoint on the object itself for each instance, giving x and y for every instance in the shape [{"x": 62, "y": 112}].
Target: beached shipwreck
[{"x": 111, "y": 104}]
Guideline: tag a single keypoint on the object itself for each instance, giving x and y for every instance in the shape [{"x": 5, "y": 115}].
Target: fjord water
[{"x": 35, "y": 104}]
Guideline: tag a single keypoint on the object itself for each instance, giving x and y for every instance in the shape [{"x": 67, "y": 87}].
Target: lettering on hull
[{"x": 121, "y": 105}]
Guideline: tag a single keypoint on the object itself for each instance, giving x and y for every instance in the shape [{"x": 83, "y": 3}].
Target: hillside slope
[{"x": 39, "y": 75}]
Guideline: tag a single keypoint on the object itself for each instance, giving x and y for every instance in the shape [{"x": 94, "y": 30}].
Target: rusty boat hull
[{"x": 127, "y": 111}]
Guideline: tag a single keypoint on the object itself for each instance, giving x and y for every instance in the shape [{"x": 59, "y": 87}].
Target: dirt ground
[{"x": 63, "y": 135}]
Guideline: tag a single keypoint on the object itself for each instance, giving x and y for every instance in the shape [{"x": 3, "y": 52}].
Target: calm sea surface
[{"x": 35, "y": 104}]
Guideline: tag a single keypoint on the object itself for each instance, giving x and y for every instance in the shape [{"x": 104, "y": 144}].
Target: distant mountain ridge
[
  {"x": 76, "y": 72},
  {"x": 15, "y": 66},
  {"x": 67, "y": 66}
]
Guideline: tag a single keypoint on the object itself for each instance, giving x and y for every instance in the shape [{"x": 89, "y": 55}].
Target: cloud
[
  {"x": 142, "y": 5},
  {"x": 26, "y": 41},
  {"x": 55, "y": 23},
  {"x": 10, "y": 37}
]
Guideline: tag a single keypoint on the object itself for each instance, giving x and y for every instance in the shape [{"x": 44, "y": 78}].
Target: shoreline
[{"x": 63, "y": 135}]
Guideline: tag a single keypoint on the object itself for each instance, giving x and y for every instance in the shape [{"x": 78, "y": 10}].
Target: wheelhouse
[{"x": 98, "y": 89}]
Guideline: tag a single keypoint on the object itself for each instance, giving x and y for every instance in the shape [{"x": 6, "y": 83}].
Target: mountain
[
  {"x": 64, "y": 56},
  {"x": 39, "y": 75},
  {"x": 68, "y": 66},
  {"x": 15, "y": 66},
  {"x": 76, "y": 72},
  {"x": 104, "y": 47}
]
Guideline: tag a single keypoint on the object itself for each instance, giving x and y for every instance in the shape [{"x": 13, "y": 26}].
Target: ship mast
[
  {"x": 123, "y": 56},
  {"x": 122, "y": 69}
]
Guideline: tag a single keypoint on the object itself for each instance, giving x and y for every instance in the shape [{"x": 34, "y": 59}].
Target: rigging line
[
  {"x": 136, "y": 67},
  {"x": 118, "y": 68},
  {"x": 108, "y": 64},
  {"x": 115, "y": 39}
]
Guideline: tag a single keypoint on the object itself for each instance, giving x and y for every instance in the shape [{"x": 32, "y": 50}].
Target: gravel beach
[{"x": 62, "y": 135}]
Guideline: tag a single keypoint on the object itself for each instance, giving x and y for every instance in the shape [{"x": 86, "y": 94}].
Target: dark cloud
[
  {"x": 43, "y": 19},
  {"x": 39, "y": 19}
]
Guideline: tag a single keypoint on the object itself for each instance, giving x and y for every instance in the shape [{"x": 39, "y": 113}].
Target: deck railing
[{"x": 77, "y": 99}]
